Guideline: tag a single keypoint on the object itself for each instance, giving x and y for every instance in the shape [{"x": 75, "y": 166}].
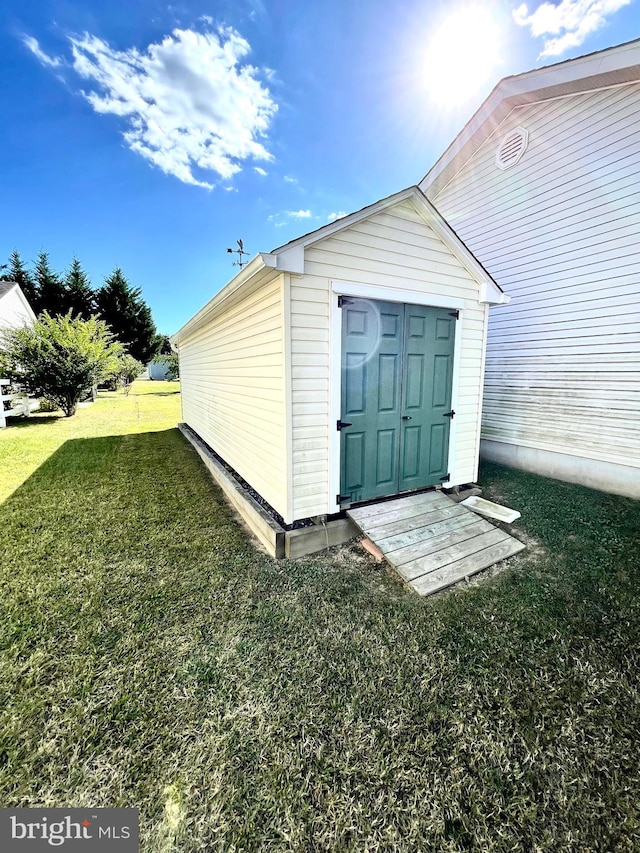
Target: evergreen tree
[
  {"x": 80, "y": 298},
  {"x": 16, "y": 271},
  {"x": 128, "y": 316},
  {"x": 52, "y": 293}
]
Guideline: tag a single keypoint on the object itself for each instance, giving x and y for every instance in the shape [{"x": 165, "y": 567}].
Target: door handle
[{"x": 406, "y": 417}]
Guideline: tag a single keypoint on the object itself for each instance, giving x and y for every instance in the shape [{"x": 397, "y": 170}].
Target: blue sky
[{"x": 151, "y": 135}]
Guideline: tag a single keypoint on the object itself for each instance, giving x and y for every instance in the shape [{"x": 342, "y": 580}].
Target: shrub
[{"x": 59, "y": 358}]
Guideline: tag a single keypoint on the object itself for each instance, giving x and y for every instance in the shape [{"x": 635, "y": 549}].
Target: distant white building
[{"x": 15, "y": 311}]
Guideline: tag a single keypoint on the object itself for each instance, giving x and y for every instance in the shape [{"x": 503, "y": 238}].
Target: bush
[
  {"x": 59, "y": 358},
  {"x": 47, "y": 405},
  {"x": 128, "y": 369}
]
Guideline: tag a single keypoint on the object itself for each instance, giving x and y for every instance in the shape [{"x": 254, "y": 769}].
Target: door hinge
[
  {"x": 455, "y": 314},
  {"x": 341, "y": 424},
  {"x": 340, "y": 499},
  {"x": 449, "y": 414},
  {"x": 446, "y": 478},
  {"x": 344, "y": 300}
]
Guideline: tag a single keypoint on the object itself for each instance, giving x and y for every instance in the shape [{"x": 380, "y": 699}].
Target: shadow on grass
[
  {"x": 33, "y": 420},
  {"x": 117, "y": 467}
]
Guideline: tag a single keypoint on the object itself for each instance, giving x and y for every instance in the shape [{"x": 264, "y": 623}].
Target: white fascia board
[
  {"x": 25, "y": 302},
  {"x": 489, "y": 291},
  {"x": 611, "y": 67},
  {"x": 344, "y": 222},
  {"x": 246, "y": 274},
  {"x": 290, "y": 260}
]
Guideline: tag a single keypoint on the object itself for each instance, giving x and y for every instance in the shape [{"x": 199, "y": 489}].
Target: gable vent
[{"x": 512, "y": 148}]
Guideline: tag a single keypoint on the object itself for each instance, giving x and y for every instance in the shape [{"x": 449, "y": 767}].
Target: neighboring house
[
  {"x": 15, "y": 311},
  {"x": 543, "y": 186},
  {"x": 345, "y": 365}
]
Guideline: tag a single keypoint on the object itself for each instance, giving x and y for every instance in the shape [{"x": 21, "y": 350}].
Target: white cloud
[
  {"x": 338, "y": 215},
  {"x": 259, "y": 170},
  {"x": 569, "y": 23},
  {"x": 283, "y": 218},
  {"x": 36, "y": 50},
  {"x": 290, "y": 180},
  {"x": 190, "y": 101}
]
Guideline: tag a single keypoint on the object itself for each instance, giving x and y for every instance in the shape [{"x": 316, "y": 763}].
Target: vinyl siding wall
[
  {"x": 232, "y": 374},
  {"x": 12, "y": 311},
  {"x": 395, "y": 248},
  {"x": 559, "y": 232}
]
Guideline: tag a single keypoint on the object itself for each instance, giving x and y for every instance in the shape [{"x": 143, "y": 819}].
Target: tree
[
  {"x": 59, "y": 358},
  {"x": 170, "y": 363},
  {"x": 128, "y": 369},
  {"x": 128, "y": 316},
  {"x": 79, "y": 295},
  {"x": 52, "y": 294},
  {"x": 17, "y": 272}
]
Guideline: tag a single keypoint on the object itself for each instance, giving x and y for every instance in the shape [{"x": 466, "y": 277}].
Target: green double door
[{"x": 397, "y": 370}]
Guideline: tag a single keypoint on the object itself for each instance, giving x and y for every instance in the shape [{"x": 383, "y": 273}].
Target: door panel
[
  {"x": 427, "y": 377},
  {"x": 371, "y": 352},
  {"x": 397, "y": 369}
]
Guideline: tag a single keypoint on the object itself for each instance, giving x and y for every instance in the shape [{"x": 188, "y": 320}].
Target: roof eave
[
  {"x": 613, "y": 66},
  {"x": 253, "y": 268}
]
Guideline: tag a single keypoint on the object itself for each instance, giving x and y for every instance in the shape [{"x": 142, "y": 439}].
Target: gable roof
[
  {"x": 7, "y": 287},
  {"x": 599, "y": 70},
  {"x": 290, "y": 256}
]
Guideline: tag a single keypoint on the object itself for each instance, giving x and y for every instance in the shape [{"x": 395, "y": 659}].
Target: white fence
[{"x": 20, "y": 404}]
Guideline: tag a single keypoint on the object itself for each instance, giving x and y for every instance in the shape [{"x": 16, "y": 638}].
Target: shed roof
[
  {"x": 290, "y": 256},
  {"x": 598, "y": 70}
]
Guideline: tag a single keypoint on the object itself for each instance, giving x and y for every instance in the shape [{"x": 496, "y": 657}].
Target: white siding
[
  {"x": 559, "y": 232},
  {"x": 232, "y": 374},
  {"x": 12, "y": 311},
  {"x": 392, "y": 249}
]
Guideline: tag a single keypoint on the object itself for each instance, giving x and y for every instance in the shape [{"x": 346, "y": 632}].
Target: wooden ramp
[{"x": 431, "y": 540}]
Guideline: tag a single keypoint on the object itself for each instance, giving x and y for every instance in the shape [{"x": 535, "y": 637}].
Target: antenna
[{"x": 239, "y": 252}]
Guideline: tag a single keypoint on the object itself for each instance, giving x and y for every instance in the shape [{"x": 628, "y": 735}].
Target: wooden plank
[
  {"x": 398, "y": 508},
  {"x": 435, "y": 581},
  {"x": 465, "y": 528},
  {"x": 431, "y": 540},
  {"x": 399, "y": 540},
  {"x": 420, "y": 519},
  {"x": 451, "y": 554},
  {"x": 362, "y": 514},
  {"x": 310, "y": 540}
]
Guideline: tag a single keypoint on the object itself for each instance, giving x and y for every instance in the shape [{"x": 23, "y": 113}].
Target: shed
[
  {"x": 542, "y": 186},
  {"x": 346, "y": 365}
]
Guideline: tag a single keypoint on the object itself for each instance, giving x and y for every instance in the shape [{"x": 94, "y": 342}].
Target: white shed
[
  {"x": 542, "y": 185},
  {"x": 346, "y": 365}
]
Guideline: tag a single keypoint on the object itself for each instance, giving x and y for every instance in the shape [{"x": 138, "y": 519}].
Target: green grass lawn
[{"x": 150, "y": 656}]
